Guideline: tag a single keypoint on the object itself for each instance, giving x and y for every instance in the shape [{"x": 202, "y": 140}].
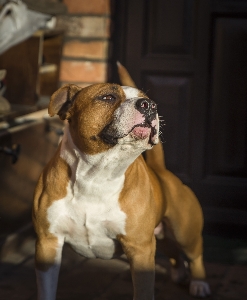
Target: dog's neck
[{"x": 102, "y": 167}]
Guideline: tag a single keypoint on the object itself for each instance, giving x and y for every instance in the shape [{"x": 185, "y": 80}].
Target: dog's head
[{"x": 102, "y": 116}]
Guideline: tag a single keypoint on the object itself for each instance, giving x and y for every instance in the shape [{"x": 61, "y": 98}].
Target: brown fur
[
  {"x": 96, "y": 114},
  {"x": 51, "y": 187},
  {"x": 142, "y": 204}
]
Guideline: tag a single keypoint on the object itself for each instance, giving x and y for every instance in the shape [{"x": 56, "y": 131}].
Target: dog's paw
[{"x": 199, "y": 288}]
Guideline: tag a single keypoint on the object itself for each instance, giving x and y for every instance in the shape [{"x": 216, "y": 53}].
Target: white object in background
[{"x": 18, "y": 23}]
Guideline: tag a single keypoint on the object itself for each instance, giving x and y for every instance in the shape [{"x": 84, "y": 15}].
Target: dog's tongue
[{"x": 141, "y": 132}]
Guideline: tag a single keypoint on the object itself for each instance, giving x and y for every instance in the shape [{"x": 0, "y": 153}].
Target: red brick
[
  {"x": 83, "y": 71},
  {"x": 88, "y": 6},
  {"x": 91, "y": 50},
  {"x": 84, "y": 26}
]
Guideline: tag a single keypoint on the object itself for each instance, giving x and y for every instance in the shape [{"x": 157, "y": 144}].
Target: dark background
[{"x": 190, "y": 57}]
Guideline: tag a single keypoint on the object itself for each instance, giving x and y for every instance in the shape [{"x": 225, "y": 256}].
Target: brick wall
[{"x": 86, "y": 43}]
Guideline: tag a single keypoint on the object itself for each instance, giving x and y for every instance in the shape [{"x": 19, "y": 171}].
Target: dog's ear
[{"x": 62, "y": 100}]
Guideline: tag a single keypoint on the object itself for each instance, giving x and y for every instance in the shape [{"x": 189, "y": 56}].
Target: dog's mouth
[
  {"x": 108, "y": 137},
  {"x": 140, "y": 131},
  {"x": 144, "y": 131}
]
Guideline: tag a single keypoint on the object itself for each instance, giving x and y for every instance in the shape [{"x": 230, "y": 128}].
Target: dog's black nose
[{"x": 146, "y": 106}]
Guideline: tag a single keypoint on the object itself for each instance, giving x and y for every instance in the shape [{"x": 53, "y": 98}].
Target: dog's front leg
[
  {"x": 142, "y": 265},
  {"x": 47, "y": 265}
]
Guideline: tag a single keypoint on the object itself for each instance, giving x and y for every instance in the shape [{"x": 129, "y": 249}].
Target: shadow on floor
[{"x": 95, "y": 279}]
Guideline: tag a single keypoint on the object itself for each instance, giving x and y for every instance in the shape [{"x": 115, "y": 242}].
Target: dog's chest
[{"x": 89, "y": 217}]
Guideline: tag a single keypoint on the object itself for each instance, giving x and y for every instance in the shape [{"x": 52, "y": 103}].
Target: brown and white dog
[{"x": 97, "y": 193}]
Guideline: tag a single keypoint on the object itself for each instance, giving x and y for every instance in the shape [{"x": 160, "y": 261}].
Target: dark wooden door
[{"x": 190, "y": 56}]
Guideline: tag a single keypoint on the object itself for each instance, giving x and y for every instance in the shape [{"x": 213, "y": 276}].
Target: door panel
[
  {"x": 169, "y": 27},
  {"x": 227, "y": 154}
]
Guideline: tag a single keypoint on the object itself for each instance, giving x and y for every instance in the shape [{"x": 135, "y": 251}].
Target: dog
[{"x": 99, "y": 195}]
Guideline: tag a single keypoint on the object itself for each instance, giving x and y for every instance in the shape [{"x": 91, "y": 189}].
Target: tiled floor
[{"x": 96, "y": 279}]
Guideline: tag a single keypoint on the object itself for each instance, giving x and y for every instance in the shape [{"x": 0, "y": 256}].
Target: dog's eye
[{"x": 108, "y": 98}]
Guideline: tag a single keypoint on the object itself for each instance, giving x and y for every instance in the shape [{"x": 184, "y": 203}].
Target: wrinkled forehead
[
  {"x": 131, "y": 92},
  {"x": 98, "y": 91}
]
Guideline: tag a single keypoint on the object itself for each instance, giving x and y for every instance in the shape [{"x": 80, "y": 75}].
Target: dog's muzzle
[{"x": 143, "y": 125}]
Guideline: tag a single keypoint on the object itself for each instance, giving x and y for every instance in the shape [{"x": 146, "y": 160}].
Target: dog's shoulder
[
  {"x": 137, "y": 187},
  {"x": 52, "y": 183}
]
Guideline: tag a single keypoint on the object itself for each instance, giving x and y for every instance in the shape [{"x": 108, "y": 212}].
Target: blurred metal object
[{"x": 14, "y": 151}]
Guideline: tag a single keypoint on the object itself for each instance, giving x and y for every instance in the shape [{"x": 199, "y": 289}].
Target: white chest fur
[
  {"x": 89, "y": 217},
  {"x": 89, "y": 225}
]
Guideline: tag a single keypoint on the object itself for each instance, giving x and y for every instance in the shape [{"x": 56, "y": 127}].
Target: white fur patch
[
  {"x": 129, "y": 116},
  {"x": 130, "y": 92},
  {"x": 89, "y": 217},
  {"x": 126, "y": 117}
]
